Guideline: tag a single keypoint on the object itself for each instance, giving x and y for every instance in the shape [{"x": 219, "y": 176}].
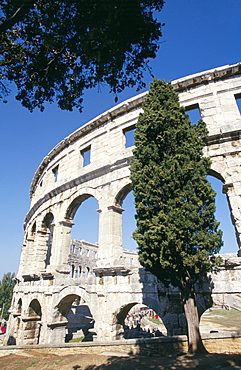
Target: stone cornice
[{"x": 206, "y": 77}]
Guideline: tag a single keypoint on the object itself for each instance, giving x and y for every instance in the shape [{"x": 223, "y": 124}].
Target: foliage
[
  {"x": 176, "y": 227},
  {"x": 6, "y": 291},
  {"x": 56, "y": 49},
  {"x": 177, "y": 233}
]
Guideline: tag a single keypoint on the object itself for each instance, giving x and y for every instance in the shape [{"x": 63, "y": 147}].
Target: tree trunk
[{"x": 195, "y": 344}]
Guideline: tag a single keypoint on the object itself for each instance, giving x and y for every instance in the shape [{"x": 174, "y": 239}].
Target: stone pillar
[
  {"x": 61, "y": 246},
  {"x": 42, "y": 238},
  {"x": 104, "y": 327},
  {"x": 25, "y": 258},
  {"x": 110, "y": 233},
  {"x": 28, "y": 253},
  {"x": 56, "y": 333}
]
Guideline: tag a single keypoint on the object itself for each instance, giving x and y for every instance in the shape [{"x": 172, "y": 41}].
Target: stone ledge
[{"x": 130, "y": 342}]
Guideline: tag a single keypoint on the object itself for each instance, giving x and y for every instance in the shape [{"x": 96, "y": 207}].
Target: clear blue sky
[{"x": 198, "y": 35}]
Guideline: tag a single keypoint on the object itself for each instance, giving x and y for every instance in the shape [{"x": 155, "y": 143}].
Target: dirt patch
[{"x": 106, "y": 361}]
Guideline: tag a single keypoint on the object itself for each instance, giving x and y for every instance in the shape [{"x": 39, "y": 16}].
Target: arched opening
[
  {"x": 223, "y": 215},
  {"x": 33, "y": 230},
  {"x": 48, "y": 227},
  {"x": 220, "y": 319},
  {"x": 128, "y": 222},
  {"x": 32, "y": 323},
  {"x": 18, "y": 312},
  {"x": 86, "y": 220},
  {"x": 84, "y": 235},
  {"x": 80, "y": 323},
  {"x": 34, "y": 309},
  {"x": 125, "y": 200},
  {"x": 19, "y": 306},
  {"x": 135, "y": 320}
]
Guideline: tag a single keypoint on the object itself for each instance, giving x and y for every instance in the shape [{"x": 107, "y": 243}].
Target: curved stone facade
[{"x": 94, "y": 162}]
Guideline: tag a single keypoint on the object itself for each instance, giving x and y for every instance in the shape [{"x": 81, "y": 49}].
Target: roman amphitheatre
[{"x": 61, "y": 281}]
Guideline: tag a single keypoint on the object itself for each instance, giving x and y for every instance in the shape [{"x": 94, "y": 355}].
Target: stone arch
[
  {"x": 34, "y": 309},
  {"x": 31, "y": 232},
  {"x": 47, "y": 220},
  {"x": 216, "y": 174},
  {"x": 75, "y": 204},
  {"x": 122, "y": 193},
  {"x": 71, "y": 290},
  {"x": 118, "y": 319},
  {"x": 135, "y": 328},
  {"x": 74, "y": 316},
  {"x": 65, "y": 303},
  {"x": 77, "y": 199},
  {"x": 81, "y": 229},
  {"x": 122, "y": 312},
  {"x": 33, "y": 229},
  {"x": 32, "y": 322},
  {"x": 19, "y": 306}
]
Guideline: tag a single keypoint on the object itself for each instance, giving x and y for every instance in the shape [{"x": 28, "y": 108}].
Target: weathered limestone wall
[{"x": 49, "y": 279}]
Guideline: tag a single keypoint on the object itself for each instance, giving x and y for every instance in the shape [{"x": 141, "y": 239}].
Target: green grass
[
  {"x": 74, "y": 340},
  {"x": 56, "y": 362},
  {"x": 229, "y": 319},
  {"x": 155, "y": 321},
  {"x": 32, "y": 364}
]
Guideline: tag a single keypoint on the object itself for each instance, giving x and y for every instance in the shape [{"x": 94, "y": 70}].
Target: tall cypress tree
[{"x": 176, "y": 227}]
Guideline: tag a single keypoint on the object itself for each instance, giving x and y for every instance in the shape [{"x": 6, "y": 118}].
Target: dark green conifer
[{"x": 176, "y": 227}]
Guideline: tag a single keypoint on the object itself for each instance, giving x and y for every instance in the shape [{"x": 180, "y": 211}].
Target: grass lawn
[
  {"x": 156, "y": 321},
  {"x": 215, "y": 319},
  {"x": 75, "y": 340},
  {"x": 229, "y": 319}
]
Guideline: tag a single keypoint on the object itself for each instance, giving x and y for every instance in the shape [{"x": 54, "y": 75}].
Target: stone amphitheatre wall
[{"x": 94, "y": 162}]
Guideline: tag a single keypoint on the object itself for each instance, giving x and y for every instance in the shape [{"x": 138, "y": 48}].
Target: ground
[{"x": 107, "y": 361}]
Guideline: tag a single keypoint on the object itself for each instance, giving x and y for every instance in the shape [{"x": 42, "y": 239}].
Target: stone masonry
[{"x": 56, "y": 273}]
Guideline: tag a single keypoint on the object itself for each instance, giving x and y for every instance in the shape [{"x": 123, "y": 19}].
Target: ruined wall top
[{"x": 191, "y": 89}]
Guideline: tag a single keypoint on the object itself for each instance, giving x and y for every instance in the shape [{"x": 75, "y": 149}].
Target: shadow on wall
[
  {"x": 167, "y": 303},
  {"x": 80, "y": 323}
]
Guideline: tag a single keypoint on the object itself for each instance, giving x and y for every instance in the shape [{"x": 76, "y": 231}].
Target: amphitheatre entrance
[{"x": 64, "y": 283}]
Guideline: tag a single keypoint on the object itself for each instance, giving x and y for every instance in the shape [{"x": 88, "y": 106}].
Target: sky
[{"x": 197, "y": 36}]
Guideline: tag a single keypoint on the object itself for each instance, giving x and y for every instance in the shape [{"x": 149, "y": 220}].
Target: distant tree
[
  {"x": 6, "y": 291},
  {"x": 56, "y": 49},
  {"x": 175, "y": 204}
]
